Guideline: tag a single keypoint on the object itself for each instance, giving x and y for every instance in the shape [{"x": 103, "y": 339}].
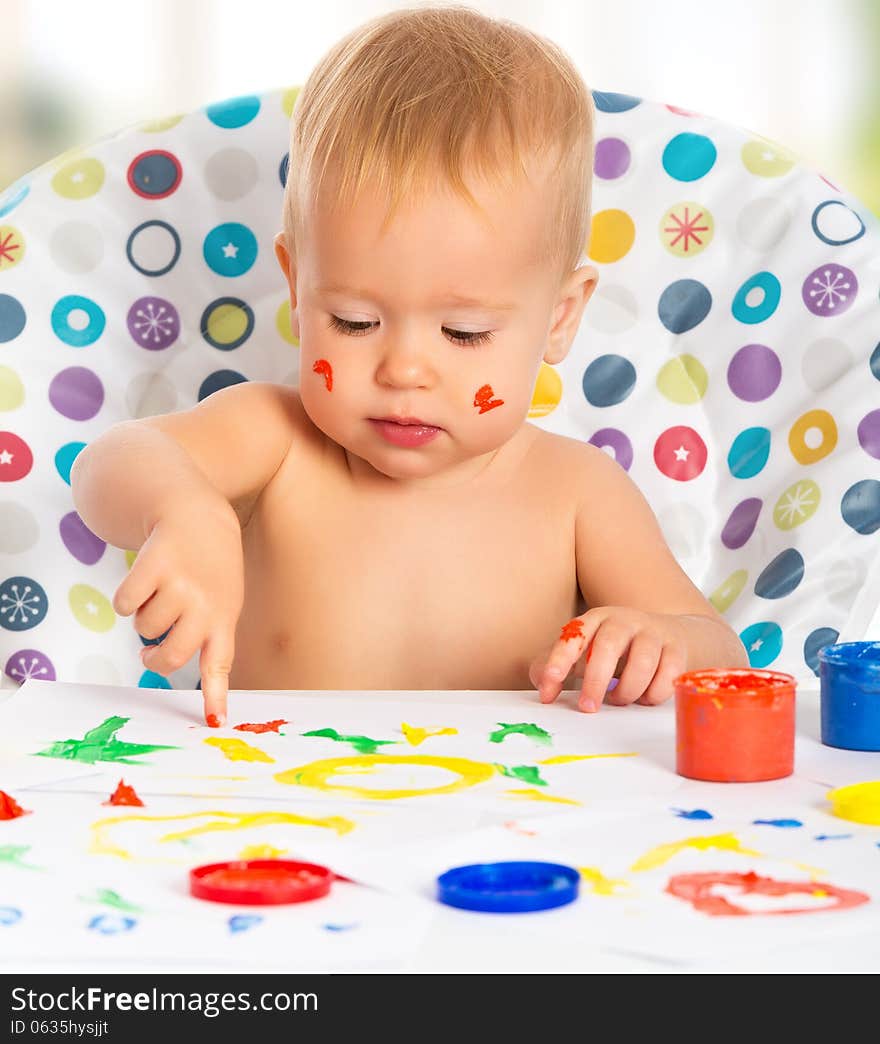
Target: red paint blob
[
  {"x": 573, "y": 629},
  {"x": 261, "y": 726},
  {"x": 323, "y": 367},
  {"x": 697, "y": 890},
  {"x": 484, "y": 399},
  {"x": 734, "y": 726},
  {"x": 124, "y": 795},
  {"x": 260, "y": 882},
  {"x": 10, "y": 808},
  {"x": 213, "y": 721}
]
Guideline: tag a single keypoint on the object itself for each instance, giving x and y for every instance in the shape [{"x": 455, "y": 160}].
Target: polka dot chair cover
[{"x": 728, "y": 360}]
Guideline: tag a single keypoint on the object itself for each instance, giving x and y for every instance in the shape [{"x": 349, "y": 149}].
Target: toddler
[{"x": 395, "y": 522}]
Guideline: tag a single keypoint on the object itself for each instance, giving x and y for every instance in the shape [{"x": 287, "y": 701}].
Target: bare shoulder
[{"x": 569, "y": 458}]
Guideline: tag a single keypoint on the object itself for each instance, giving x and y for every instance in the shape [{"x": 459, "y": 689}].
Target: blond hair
[{"x": 442, "y": 90}]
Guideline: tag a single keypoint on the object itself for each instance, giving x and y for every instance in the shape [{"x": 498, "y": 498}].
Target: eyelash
[{"x": 469, "y": 339}]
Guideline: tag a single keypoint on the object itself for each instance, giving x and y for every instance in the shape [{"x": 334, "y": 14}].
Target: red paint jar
[{"x": 734, "y": 726}]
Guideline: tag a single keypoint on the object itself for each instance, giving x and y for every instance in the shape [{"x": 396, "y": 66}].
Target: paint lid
[
  {"x": 514, "y": 887},
  {"x": 260, "y": 882}
]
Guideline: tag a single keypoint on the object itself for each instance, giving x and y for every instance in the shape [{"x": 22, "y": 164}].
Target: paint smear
[
  {"x": 521, "y": 728},
  {"x": 338, "y": 927},
  {"x": 261, "y": 852},
  {"x": 512, "y": 824},
  {"x": 324, "y": 367},
  {"x": 12, "y": 856},
  {"x": 101, "y": 744},
  {"x": 565, "y": 759},
  {"x": 317, "y": 773},
  {"x": 663, "y": 853},
  {"x": 859, "y": 803},
  {"x": 243, "y": 922},
  {"x": 10, "y": 808},
  {"x": 697, "y": 889},
  {"x": 102, "y": 845},
  {"x": 124, "y": 795},
  {"x": 525, "y": 773},
  {"x": 261, "y": 726},
  {"x": 600, "y": 884},
  {"x": 832, "y": 837},
  {"x": 415, "y": 735},
  {"x": 527, "y": 794},
  {"x": 237, "y": 750},
  {"x": 362, "y": 744},
  {"x": 107, "y": 897},
  {"x": 110, "y": 924},
  {"x": 484, "y": 400},
  {"x": 783, "y": 823},
  {"x": 573, "y": 629}
]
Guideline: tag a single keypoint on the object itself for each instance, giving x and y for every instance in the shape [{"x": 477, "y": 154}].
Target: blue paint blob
[
  {"x": 243, "y": 922},
  {"x": 338, "y": 927},
  {"x": 111, "y": 924},
  {"x": 696, "y": 813},
  {"x": 781, "y": 576},
  {"x": 784, "y": 823},
  {"x": 832, "y": 837},
  {"x": 9, "y": 915}
]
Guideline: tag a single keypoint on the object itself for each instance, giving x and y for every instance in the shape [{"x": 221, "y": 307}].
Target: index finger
[{"x": 215, "y": 663}]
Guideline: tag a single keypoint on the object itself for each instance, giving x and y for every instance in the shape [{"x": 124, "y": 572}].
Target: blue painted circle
[
  {"x": 688, "y": 157},
  {"x": 771, "y": 291},
  {"x": 60, "y": 320},
  {"x": 749, "y": 452},
  {"x": 608, "y": 380},
  {"x": 65, "y": 457},
  {"x": 230, "y": 249},
  {"x": 860, "y": 506},
  {"x": 763, "y": 643},
  {"x": 683, "y": 305},
  {"x": 827, "y": 239},
  {"x": 874, "y": 364},
  {"x": 283, "y": 169},
  {"x": 175, "y": 239},
  {"x": 609, "y": 101},
  {"x": 782, "y": 575},
  {"x": 815, "y": 641},
  {"x": 151, "y": 680},
  {"x": 23, "y": 603},
  {"x": 219, "y": 379},
  {"x": 234, "y": 112},
  {"x": 12, "y": 318}
]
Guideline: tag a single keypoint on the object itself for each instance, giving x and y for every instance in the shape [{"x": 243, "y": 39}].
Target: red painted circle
[
  {"x": 16, "y": 459},
  {"x": 680, "y": 453},
  {"x": 260, "y": 882}
]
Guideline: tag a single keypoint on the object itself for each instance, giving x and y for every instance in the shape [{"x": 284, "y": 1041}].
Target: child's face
[{"x": 418, "y": 358}]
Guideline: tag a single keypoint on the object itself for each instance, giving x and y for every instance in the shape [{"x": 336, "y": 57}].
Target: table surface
[{"x": 457, "y": 942}]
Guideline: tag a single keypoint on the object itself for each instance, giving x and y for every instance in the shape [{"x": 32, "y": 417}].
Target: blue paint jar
[{"x": 849, "y": 679}]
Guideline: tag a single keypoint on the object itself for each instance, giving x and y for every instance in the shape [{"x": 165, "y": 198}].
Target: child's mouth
[{"x": 411, "y": 434}]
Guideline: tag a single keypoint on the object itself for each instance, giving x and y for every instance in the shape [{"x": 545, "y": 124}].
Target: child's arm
[
  {"x": 167, "y": 485},
  {"x": 647, "y": 615}
]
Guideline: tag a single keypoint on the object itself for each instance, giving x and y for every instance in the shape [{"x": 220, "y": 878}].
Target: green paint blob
[
  {"x": 521, "y": 728},
  {"x": 362, "y": 744},
  {"x": 527, "y": 773},
  {"x": 12, "y": 854},
  {"x": 108, "y": 897},
  {"x": 101, "y": 744}
]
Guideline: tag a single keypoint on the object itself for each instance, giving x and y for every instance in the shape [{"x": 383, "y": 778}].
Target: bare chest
[{"x": 348, "y": 591}]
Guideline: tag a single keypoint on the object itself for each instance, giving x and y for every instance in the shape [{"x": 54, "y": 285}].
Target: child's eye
[{"x": 358, "y": 329}]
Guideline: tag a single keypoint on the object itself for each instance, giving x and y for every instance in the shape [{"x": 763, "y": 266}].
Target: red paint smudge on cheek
[
  {"x": 10, "y": 808},
  {"x": 573, "y": 629},
  {"x": 484, "y": 399},
  {"x": 261, "y": 726},
  {"x": 124, "y": 795},
  {"x": 324, "y": 367},
  {"x": 697, "y": 890}
]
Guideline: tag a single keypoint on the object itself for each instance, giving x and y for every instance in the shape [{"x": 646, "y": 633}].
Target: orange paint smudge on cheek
[
  {"x": 324, "y": 367},
  {"x": 484, "y": 400}
]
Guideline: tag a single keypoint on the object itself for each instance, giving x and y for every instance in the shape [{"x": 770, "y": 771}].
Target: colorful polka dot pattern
[{"x": 728, "y": 360}]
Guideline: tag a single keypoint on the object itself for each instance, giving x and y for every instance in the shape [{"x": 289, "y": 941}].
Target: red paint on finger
[
  {"x": 323, "y": 367},
  {"x": 484, "y": 400},
  {"x": 124, "y": 795},
  {"x": 261, "y": 726},
  {"x": 213, "y": 721},
  {"x": 10, "y": 808},
  {"x": 573, "y": 629}
]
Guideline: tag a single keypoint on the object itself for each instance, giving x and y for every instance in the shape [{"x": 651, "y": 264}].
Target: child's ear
[
  {"x": 567, "y": 311},
  {"x": 283, "y": 255}
]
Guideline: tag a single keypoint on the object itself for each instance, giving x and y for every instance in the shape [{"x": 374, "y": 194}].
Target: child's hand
[
  {"x": 649, "y": 647},
  {"x": 189, "y": 576}
]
